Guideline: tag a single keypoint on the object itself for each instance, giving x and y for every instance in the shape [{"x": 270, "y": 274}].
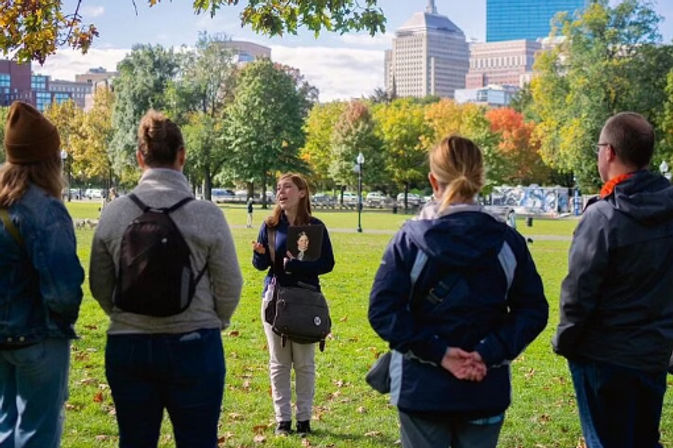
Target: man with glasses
[{"x": 616, "y": 311}]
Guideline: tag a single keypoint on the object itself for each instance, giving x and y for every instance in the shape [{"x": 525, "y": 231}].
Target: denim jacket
[{"x": 40, "y": 281}]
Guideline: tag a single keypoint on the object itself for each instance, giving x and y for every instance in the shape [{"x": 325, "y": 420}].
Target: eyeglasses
[{"x": 599, "y": 146}]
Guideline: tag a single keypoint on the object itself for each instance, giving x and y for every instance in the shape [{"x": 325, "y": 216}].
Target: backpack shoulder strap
[
  {"x": 138, "y": 202},
  {"x": 10, "y": 227},
  {"x": 178, "y": 204}
]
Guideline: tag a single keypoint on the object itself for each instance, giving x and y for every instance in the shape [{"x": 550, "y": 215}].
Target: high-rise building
[
  {"x": 65, "y": 90},
  {"x": 245, "y": 51},
  {"x": 525, "y": 19},
  {"x": 507, "y": 63},
  {"x": 429, "y": 56}
]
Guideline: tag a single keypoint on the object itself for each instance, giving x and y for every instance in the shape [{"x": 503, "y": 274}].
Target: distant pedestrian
[
  {"x": 616, "y": 311},
  {"x": 250, "y": 210},
  {"x": 457, "y": 297},
  {"x": 40, "y": 283},
  {"x": 158, "y": 358}
]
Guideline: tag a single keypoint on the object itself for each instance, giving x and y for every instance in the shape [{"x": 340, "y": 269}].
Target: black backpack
[{"x": 155, "y": 271}]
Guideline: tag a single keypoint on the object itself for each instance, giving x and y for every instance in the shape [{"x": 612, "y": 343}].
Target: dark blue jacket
[
  {"x": 295, "y": 271},
  {"x": 40, "y": 282},
  {"x": 495, "y": 305},
  {"x": 617, "y": 299}
]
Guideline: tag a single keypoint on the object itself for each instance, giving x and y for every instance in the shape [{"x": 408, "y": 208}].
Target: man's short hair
[{"x": 632, "y": 138}]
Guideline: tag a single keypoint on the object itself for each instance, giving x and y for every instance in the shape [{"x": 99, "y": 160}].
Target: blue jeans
[
  {"x": 418, "y": 431},
  {"x": 182, "y": 373},
  {"x": 618, "y": 406},
  {"x": 33, "y": 389}
]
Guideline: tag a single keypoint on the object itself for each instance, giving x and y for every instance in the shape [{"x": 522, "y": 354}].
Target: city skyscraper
[
  {"x": 430, "y": 56},
  {"x": 524, "y": 19}
]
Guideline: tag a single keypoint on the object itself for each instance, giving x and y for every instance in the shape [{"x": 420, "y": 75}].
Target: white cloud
[
  {"x": 89, "y": 11},
  {"x": 66, "y": 63},
  {"x": 365, "y": 40},
  {"x": 339, "y": 73}
]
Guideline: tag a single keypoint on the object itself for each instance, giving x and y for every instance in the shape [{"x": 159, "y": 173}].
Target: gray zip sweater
[{"x": 209, "y": 239}]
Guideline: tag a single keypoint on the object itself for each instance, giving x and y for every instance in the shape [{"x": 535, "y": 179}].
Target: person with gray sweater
[{"x": 174, "y": 362}]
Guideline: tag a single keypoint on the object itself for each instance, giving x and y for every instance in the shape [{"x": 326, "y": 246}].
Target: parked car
[
  {"x": 378, "y": 199},
  {"x": 350, "y": 198},
  {"x": 219, "y": 195},
  {"x": 413, "y": 200},
  {"x": 75, "y": 193},
  {"x": 241, "y": 195},
  {"x": 322, "y": 199},
  {"x": 93, "y": 193}
]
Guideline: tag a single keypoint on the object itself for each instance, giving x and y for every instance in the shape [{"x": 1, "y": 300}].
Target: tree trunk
[
  {"x": 406, "y": 194},
  {"x": 251, "y": 189},
  {"x": 207, "y": 182},
  {"x": 264, "y": 206}
]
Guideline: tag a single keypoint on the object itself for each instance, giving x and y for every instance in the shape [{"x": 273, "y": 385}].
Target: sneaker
[
  {"x": 283, "y": 428},
  {"x": 304, "y": 428}
]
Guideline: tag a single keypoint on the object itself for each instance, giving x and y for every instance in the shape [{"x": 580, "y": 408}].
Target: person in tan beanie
[{"x": 40, "y": 280}]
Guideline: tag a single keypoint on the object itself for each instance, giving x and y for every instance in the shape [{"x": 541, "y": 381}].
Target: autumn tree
[
  {"x": 34, "y": 30},
  {"x": 317, "y": 150},
  {"x": 354, "y": 133},
  {"x": 68, "y": 119},
  {"x": 144, "y": 76},
  {"x": 402, "y": 128},
  {"x": 91, "y": 151},
  {"x": 264, "y": 123},
  {"x": 519, "y": 151},
  {"x": 447, "y": 117},
  {"x": 4, "y": 111},
  {"x": 197, "y": 99},
  {"x": 609, "y": 61}
]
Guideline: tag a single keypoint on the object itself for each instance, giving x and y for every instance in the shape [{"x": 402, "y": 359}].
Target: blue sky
[{"x": 341, "y": 66}]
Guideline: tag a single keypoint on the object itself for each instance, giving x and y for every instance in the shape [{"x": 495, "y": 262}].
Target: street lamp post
[
  {"x": 64, "y": 159},
  {"x": 360, "y": 160}
]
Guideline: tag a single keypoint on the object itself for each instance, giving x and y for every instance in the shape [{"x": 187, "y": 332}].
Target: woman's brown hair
[
  {"x": 159, "y": 139},
  {"x": 303, "y": 209},
  {"x": 457, "y": 163},
  {"x": 15, "y": 179}
]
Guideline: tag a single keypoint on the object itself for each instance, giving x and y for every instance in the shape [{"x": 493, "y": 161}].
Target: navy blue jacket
[
  {"x": 40, "y": 282},
  {"x": 617, "y": 299},
  {"x": 295, "y": 271},
  {"x": 495, "y": 305}
]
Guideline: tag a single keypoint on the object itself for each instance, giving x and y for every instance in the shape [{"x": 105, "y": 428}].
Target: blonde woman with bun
[
  {"x": 174, "y": 362},
  {"x": 457, "y": 297}
]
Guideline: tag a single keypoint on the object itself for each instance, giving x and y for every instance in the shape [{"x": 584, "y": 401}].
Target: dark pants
[
  {"x": 429, "y": 432},
  {"x": 182, "y": 373},
  {"x": 618, "y": 407}
]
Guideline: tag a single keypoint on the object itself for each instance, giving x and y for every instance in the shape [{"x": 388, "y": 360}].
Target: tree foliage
[
  {"x": 144, "y": 75},
  {"x": 354, "y": 133},
  {"x": 403, "y": 129},
  {"x": 197, "y": 99},
  {"x": 608, "y": 62},
  {"x": 317, "y": 151},
  {"x": 35, "y": 29},
  {"x": 264, "y": 123}
]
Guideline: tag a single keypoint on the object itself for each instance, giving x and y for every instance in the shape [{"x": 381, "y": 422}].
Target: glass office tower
[{"x": 524, "y": 19}]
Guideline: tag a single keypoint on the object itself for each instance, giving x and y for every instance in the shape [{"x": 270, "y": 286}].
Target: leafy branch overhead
[{"x": 33, "y": 30}]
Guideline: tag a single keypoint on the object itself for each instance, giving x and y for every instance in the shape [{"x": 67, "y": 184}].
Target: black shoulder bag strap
[
  {"x": 271, "y": 241},
  {"x": 10, "y": 227}
]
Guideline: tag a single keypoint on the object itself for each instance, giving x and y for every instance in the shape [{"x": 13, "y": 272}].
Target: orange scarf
[{"x": 610, "y": 185}]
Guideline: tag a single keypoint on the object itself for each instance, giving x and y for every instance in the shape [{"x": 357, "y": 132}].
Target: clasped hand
[{"x": 464, "y": 365}]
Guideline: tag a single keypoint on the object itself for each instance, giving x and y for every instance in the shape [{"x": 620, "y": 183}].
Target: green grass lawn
[{"x": 347, "y": 412}]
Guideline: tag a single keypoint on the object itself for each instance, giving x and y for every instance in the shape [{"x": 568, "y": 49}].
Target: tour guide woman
[
  {"x": 476, "y": 305},
  {"x": 293, "y": 207}
]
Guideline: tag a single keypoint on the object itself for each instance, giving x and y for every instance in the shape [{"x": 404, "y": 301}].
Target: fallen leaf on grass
[
  {"x": 373, "y": 433},
  {"x": 343, "y": 319},
  {"x": 98, "y": 398},
  {"x": 528, "y": 375},
  {"x": 235, "y": 416},
  {"x": 101, "y": 437},
  {"x": 306, "y": 443},
  {"x": 88, "y": 381},
  {"x": 259, "y": 428},
  {"x": 362, "y": 410},
  {"x": 259, "y": 438},
  {"x": 234, "y": 333},
  {"x": 581, "y": 443},
  {"x": 91, "y": 327},
  {"x": 246, "y": 385}
]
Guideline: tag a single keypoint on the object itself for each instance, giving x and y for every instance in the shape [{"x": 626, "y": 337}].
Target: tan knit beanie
[{"x": 29, "y": 137}]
